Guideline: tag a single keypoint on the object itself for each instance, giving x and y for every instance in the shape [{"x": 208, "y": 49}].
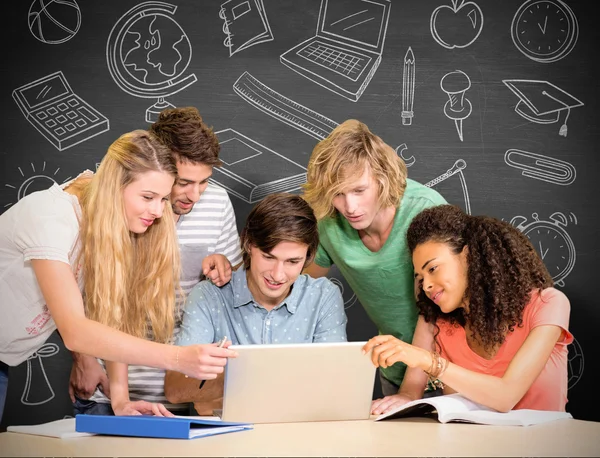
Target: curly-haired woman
[{"x": 491, "y": 326}]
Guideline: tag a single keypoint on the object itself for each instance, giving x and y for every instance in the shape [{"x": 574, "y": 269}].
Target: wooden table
[{"x": 402, "y": 437}]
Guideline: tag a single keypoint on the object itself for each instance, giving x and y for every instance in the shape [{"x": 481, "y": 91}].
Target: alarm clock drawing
[
  {"x": 544, "y": 30},
  {"x": 551, "y": 241}
]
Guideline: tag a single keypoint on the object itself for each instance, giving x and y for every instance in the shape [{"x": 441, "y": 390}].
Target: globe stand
[{"x": 153, "y": 111}]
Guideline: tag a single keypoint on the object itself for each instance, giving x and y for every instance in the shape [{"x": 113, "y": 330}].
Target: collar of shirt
[{"x": 243, "y": 296}]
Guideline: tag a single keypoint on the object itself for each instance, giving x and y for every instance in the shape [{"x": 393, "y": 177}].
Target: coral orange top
[{"x": 549, "y": 390}]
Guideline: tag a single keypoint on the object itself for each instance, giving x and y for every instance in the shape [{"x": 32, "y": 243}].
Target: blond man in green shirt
[{"x": 358, "y": 188}]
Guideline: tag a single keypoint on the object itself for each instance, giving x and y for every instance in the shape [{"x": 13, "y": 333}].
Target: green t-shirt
[{"x": 383, "y": 280}]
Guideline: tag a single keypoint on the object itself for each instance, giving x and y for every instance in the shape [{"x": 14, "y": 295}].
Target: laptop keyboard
[{"x": 335, "y": 59}]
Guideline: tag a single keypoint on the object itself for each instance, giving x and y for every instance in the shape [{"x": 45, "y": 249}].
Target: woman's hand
[
  {"x": 383, "y": 405},
  {"x": 141, "y": 408},
  {"x": 388, "y": 350},
  {"x": 203, "y": 362}
]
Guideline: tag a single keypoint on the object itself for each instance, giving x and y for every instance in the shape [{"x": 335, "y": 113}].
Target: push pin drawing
[
  {"x": 458, "y": 107},
  {"x": 43, "y": 392}
]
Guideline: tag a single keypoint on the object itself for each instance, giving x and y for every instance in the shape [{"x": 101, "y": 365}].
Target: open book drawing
[{"x": 457, "y": 408}]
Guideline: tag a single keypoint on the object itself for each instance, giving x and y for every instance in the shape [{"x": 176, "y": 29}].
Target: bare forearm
[
  {"x": 82, "y": 335},
  {"x": 118, "y": 378},
  {"x": 414, "y": 383}
]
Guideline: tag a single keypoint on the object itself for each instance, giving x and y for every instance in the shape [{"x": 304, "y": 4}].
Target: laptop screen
[{"x": 363, "y": 22}]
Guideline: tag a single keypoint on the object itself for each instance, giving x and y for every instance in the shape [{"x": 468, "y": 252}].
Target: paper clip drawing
[
  {"x": 544, "y": 30},
  {"x": 33, "y": 393},
  {"x": 542, "y": 102},
  {"x": 408, "y": 87},
  {"x": 38, "y": 180},
  {"x": 245, "y": 24},
  {"x": 60, "y": 115},
  {"x": 541, "y": 167},
  {"x": 458, "y": 107},
  {"x": 148, "y": 53},
  {"x": 347, "y": 303},
  {"x": 456, "y": 26},
  {"x": 280, "y": 107},
  {"x": 252, "y": 171},
  {"x": 552, "y": 242},
  {"x": 346, "y": 50},
  {"x": 575, "y": 363},
  {"x": 456, "y": 169},
  {"x": 54, "y": 21}
]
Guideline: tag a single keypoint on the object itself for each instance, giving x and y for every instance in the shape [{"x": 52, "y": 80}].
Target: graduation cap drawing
[{"x": 542, "y": 102}]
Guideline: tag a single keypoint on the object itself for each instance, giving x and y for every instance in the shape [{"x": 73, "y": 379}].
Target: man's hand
[
  {"x": 381, "y": 406},
  {"x": 217, "y": 269},
  {"x": 141, "y": 408},
  {"x": 86, "y": 375}
]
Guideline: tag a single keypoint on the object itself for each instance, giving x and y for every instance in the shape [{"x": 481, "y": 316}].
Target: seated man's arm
[
  {"x": 331, "y": 326},
  {"x": 197, "y": 327}
]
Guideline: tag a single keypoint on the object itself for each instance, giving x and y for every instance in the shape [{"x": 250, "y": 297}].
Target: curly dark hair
[
  {"x": 503, "y": 270},
  {"x": 187, "y": 136}
]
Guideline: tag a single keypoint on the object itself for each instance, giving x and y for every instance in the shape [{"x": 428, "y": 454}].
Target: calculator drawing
[{"x": 60, "y": 115}]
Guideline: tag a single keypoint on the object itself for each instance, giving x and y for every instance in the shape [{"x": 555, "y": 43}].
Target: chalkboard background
[{"x": 509, "y": 164}]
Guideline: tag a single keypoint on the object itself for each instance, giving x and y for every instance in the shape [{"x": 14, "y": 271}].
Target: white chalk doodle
[
  {"x": 347, "y": 302},
  {"x": 148, "y": 53},
  {"x": 457, "y": 25},
  {"x": 552, "y": 242},
  {"x": 280, "y": 107},
  {"x": 346, "y": 50},
  {"x": 37, "y": 180},
  {"x": 410, "y": 161},
  {"x": 456, "y": 169},
  {"x": 575, "y": 363},
  {"x": 458, "y": 108},
  {"x": 408, "y": 87},
  {"x": 245, "y": 24},
  {"x": 542, "y": 102},
  {"x": 39, "y": 392},
  {"x": 541, "y": 167},
  {"x": 245, "y": 162},
  {"x": 54, "y": 21},
  {"x": 60, "y": 115},
  {"x": 544, "y": 30}
]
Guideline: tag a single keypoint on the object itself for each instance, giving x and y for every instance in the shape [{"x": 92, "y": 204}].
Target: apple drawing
[{"x": 460, "y": 24}]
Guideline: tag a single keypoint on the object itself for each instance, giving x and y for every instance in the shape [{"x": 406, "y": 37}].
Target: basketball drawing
[{"x": 54, "y": 21}]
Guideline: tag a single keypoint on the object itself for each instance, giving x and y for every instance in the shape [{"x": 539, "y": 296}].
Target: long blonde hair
[
  {"x": 130, "y": 279},
  {"x": 342, "y": 157}
]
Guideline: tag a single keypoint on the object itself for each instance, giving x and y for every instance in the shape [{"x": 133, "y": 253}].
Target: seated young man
[{"x": 267, "y": 301}]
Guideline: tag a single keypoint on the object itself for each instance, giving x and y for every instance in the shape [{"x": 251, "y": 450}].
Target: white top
[
  {"x": 42, "y": 225},
  {"x": 209, "y": 228}
]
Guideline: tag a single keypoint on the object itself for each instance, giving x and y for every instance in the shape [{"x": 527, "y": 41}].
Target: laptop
[
  {"x": 346, "y": 50},
  {"x": 298, "y": 382}
]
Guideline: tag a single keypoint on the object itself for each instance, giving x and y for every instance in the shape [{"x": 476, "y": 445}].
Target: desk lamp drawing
[
  {"x": 542, "y": 102},
  {"x": 39, "y": 392},
  {"x": 346, "y": 51},
  {"x": 148, "y": 53},
  {"x": 60, "y": 115}
]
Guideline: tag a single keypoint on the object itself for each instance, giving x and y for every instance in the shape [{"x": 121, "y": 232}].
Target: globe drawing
[
  {"x": 148, "y": 53},
  {"x": 575, "y": 363}
]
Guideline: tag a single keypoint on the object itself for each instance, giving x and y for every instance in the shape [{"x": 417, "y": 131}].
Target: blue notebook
[{"x": 151, "y": 426}]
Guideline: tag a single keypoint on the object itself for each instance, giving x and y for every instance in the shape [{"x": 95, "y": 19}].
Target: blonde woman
[{"x": 101, "y": 237}]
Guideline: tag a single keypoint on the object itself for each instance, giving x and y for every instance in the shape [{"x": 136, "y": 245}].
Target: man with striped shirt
[{"x": 209, "y": 245}]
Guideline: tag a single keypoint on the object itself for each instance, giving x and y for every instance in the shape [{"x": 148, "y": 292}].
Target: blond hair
[
  {"x": 130, "y": 279},
  {"x": 342, "y": 157}
]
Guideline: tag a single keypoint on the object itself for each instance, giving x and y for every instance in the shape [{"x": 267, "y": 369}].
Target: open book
[{"x": 457, "y": 408}]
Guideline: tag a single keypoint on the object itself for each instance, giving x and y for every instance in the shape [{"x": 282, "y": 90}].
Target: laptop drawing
[
  {"x": 281, "y": 383},
  {"x": 346, "y": 51}
]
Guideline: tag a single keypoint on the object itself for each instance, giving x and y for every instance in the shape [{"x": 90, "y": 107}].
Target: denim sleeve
[
  {"x": 197, "y": 326},
  {"x": 331, "y": 326}
]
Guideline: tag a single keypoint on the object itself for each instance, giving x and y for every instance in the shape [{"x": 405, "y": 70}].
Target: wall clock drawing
[{"x": 544, "y": 30}]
